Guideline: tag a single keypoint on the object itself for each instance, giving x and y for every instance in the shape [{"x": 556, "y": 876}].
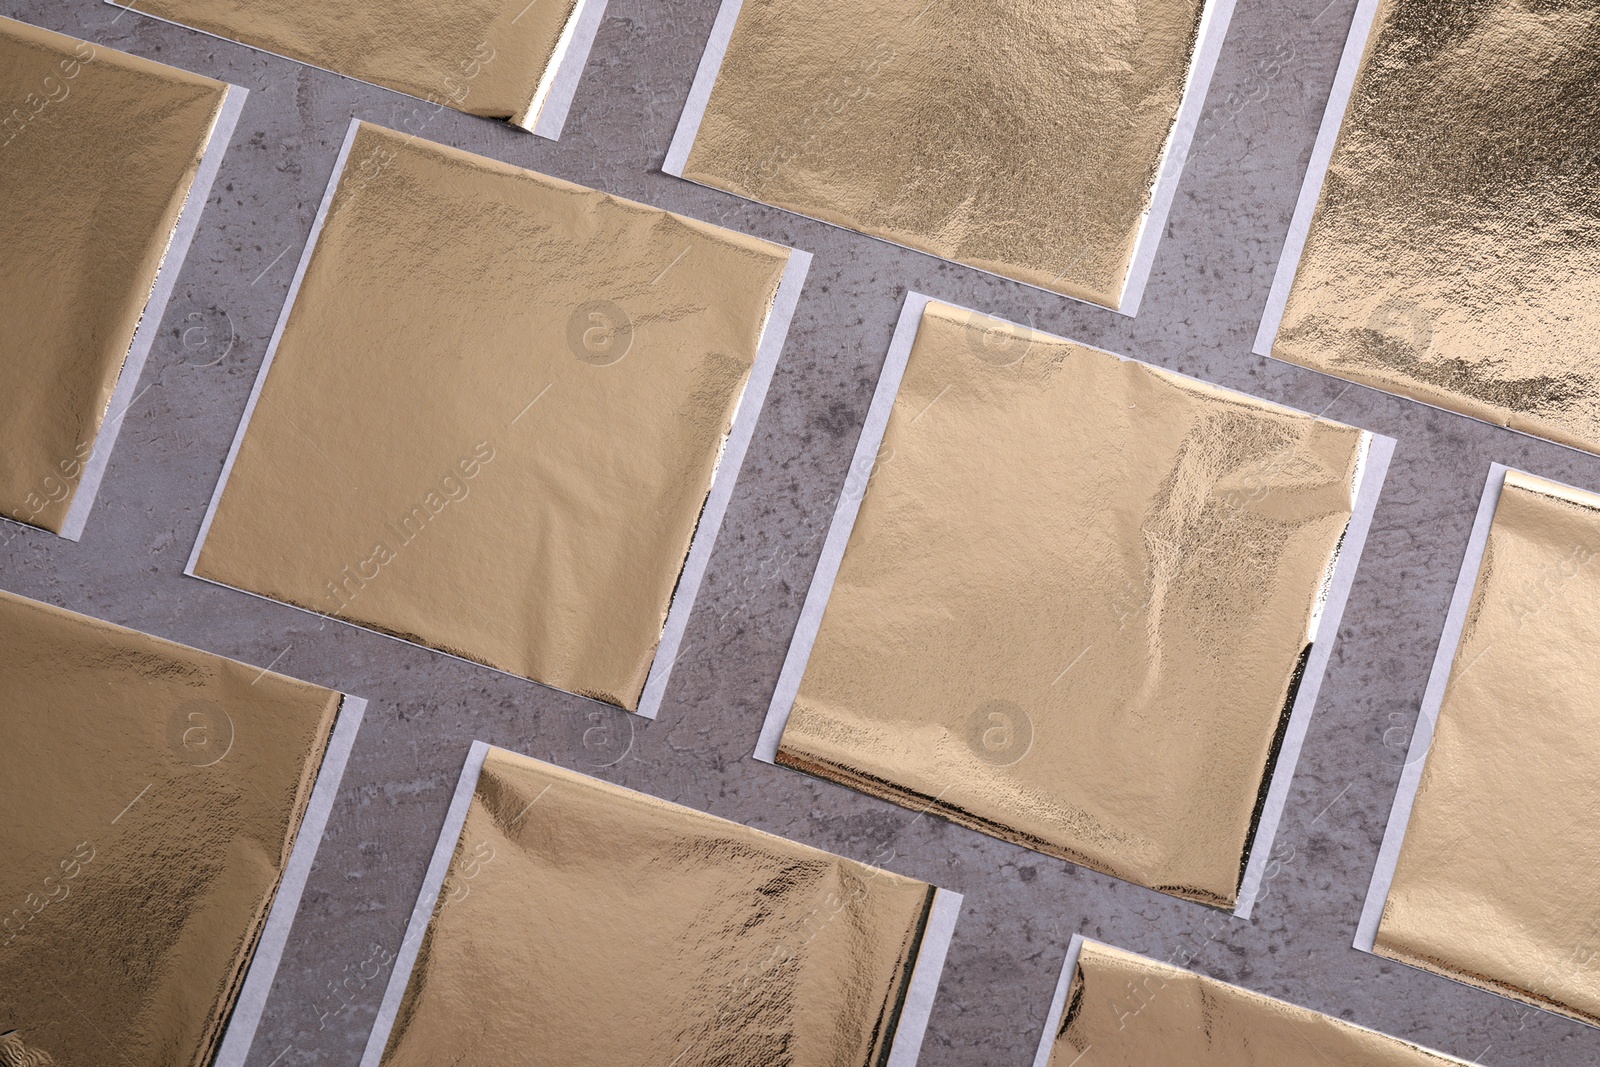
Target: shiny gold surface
[
  {"x": 1455, "y": 254},
  {"x": 151, "y": 796},
  {"x": 98, "y": 150},
  {"x": 1020, "y": 137},
  {"x": 495, "y": 415},
  {"x": 1128, "y": 1011},
  {"x": 494, "y": 58},
  {"x": 1075, "y": 602},
  {"x": 1500, "y": 869},
  {"x": 590, "y": 925}
]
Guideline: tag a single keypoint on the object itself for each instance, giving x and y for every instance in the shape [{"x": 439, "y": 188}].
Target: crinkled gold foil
[
  {"x": 1075, "y": 604},
  {"x": 1021, "y": 138},
  {"x": 151, "y": 795},
  {"x": 1500, "y": 868},
  {"x": 598, "y": 926},
  {"x": 1127, "y": 1011},
  {"x": 1454, "y": 257},
  {"x": 98, "y": 150},
  {"x": 494, "y": 58},
  {"x": 495, "y": 414}
]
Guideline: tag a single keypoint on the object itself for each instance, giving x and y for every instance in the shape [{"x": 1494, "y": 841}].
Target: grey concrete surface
[{"x": 1200, "y": 314}]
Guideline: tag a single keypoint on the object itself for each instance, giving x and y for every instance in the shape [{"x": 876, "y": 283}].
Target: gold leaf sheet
[
  {"x": 1128, "y": 1011},
  {"x": 494, "y": 58},
  {"x": 1500, "y": 867},
  {"x": 494, "y": 415},
  {"x": 152, "y": 794},
  {"x": 590, "y": 925},
  {"x": 98, "y": 150},
  {"x": 1075, "y": 603},
  {"x": 1454, "y": 257},
  {"x": 1021, "y": 137}
]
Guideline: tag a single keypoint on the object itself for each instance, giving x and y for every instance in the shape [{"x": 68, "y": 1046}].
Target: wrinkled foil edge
[
  {"x": 1428, "y": 715},
  {"x": 144, "y": 336},
  {"x": 925, "y": 974},
  {"x": 551, "y": 103},
  {"x": 1305, "y": 209},
  {"x": 1058, "y": 1003},
  {"x": 1369, "y": 487},
  {"x": 1214, "y": 22},
  {"x": 405, "y": 960},
  {"x": 573, "y": 53},
  {"x": 774, "y": 335},
  {"x": 240, "y": 1034}
]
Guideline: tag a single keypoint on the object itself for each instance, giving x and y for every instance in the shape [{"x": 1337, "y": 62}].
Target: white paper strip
[
  {"x": 1058, "y": 1004},
  {"x": 246, "y": 1017}
]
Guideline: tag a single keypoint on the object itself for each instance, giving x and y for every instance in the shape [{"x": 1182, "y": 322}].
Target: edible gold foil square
[
  {"x": 152, "y": 794},
  {"x": 586, "y": 924},
  {"x": 494, "y": 414},
  {"x": 1024, "y": 138},
  {"x": 1500, "y": 867},
  {"x": 1076, "y": 603},
  {"x": 1123, "y": 1010},
  {"x": 1454, "y": 253},
  {"x": 494, "y": 58},
  {"x": 98, "y": 152}
]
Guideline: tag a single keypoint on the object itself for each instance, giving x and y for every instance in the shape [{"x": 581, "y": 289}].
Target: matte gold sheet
[
  {"x": 495, "y": 414},
  {"x": 1454, "y": 257},
  {"x": 1500, "y": 868},
  {"x": 151, "y": 794},
  {"x": 1127, "y": 1011},
  {"x": 595, "y": 926},
  {"x": 98, "y": 150},
  {"x": 494, "y": 58},
  {"x": 1074, "y": 607},
  {"x": 1020, "y": 137}
]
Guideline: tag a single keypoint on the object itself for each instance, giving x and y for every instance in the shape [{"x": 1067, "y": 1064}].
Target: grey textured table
[{"x": 1200, "y": 314}]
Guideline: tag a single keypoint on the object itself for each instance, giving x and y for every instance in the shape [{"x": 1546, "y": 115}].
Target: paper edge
[
  {"x": 155, "y": 309},
  {"x": 705, "y": 80},
  {"x": 774, "y": 336},
  {"x": 868, "y": 445},
  {"x": 422, "y": 912},
  {"x": 1058, "y": 1002},
  {"x": 1428, "y": 714},
  {"x": 1305, "y": 209},
  {"x": 245, "y": 1019},
  {"x": 1215, "y": 21},
  {"x": 1380, "y": 452},
  {"x": 272, "y": 345},
  {"x": 569, "y": 70},
  {"x": 925, "y": 976}
]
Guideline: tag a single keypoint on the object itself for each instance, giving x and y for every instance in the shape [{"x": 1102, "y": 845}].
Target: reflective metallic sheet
[
  {"x": 585, "y": 924},
  {"x": 1020, "y": 137},
  {"x": 98, "y": 150},
  {"x": 151, "y": 796},
  {"x": 494, "y": 58},
  {"x": 495, "y": 414},
  {"x": 1454, "y": 257},
  {"x": 1498, "y": 876},
  {"x": 1075, "y": 603},
  {"x": 1128, "y": 1011}
]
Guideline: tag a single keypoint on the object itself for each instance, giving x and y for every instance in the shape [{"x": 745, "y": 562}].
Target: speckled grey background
[{"x": 1200, "y": 314}]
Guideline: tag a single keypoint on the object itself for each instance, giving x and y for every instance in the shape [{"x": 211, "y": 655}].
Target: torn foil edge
[
  {"x": 144, "y": 335},
  {"x": 914, "y": 1014},
  {"x": 252, "y": 1001},
  {"x": 1380, "y": 450},
  {"x": 558, "y": 88},
  {"x": 1214, "y": 21},
  {"x": 774, "y": 336}
]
